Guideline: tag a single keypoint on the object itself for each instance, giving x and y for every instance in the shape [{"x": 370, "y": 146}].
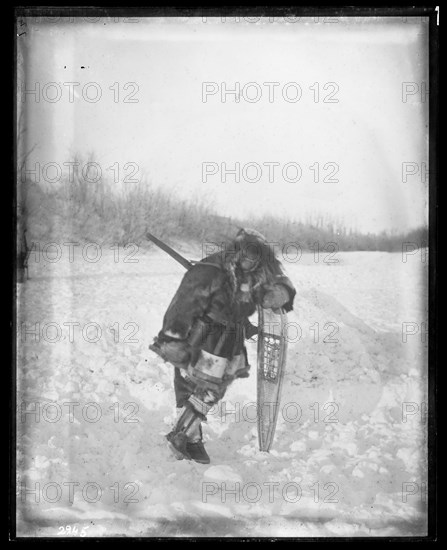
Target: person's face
[
  {"x": 249, "y": 259},
  {"x": 247, "y": 264}
]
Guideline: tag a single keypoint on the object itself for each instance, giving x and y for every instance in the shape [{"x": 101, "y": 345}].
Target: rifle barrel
[{"x": 180, "y": 259}]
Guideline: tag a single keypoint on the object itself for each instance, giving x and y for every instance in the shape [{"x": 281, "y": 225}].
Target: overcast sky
[{"x": 350, "y": 122}]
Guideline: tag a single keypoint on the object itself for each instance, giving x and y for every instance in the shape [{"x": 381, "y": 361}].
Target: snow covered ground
[{"x": 349, "y": 457}]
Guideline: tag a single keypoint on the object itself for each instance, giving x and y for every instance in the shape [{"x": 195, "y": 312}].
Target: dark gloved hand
[
  {"x": 172, "y": 350},
  {"x": 176, "y": 351},
  {"x": 275, "y": 297}
]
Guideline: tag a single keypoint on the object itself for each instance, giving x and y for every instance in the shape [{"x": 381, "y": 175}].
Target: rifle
[{"x": 180, "y": 259}]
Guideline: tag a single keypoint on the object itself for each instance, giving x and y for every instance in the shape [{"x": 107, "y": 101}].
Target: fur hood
[{"x": 267, "y": 271}]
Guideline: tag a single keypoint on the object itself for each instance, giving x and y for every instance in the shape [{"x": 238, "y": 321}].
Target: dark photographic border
[{"x": 427, "y": 10}]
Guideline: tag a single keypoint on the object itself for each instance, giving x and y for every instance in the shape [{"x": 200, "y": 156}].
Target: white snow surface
[{"x": 343, "y": 463}]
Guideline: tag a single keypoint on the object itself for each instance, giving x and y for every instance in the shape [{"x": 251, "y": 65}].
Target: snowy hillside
[{"x": 350, "y": 448}]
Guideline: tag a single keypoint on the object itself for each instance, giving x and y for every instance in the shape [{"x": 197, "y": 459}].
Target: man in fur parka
[{"x": 205, "y": 327}]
